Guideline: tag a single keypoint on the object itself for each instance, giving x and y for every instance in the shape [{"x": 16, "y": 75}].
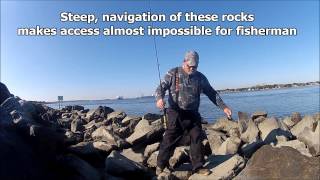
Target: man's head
[{"x": 190, "y": 62}]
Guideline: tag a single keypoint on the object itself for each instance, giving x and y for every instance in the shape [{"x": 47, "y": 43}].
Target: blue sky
[{"x": 41, "y": 68}]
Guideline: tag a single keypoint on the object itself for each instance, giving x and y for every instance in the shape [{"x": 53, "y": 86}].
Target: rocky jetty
[{"x": 39, "y": 142}]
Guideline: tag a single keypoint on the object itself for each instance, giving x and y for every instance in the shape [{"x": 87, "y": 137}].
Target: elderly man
[{"x": 185, "y": 84}]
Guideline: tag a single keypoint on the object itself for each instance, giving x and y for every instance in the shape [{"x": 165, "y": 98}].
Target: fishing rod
[
  {"x": 158, "y": 68},
  {"x": 155, "y": 49}
]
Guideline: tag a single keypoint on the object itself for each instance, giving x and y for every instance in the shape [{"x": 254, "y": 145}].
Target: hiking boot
[{"x": 203, "y": 171}]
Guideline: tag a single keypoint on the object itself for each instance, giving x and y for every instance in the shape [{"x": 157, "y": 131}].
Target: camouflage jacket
[{"x": 189, "y": 89}]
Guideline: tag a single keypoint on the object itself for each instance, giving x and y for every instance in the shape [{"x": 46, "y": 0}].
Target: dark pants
[{"x": 189, "y": 122}]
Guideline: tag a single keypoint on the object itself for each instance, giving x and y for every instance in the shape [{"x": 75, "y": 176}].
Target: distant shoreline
[
  {"x": 271, "y": 87},
  {"x": 234, "y": 90}
]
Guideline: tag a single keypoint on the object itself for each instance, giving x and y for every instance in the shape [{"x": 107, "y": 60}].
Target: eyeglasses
[{"x": 189, "y": 67}]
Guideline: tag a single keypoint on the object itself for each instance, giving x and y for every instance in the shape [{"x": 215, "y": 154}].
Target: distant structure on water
[{"x": 119, "y": 97}]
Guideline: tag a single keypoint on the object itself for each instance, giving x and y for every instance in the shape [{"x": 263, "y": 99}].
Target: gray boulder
[
  {"x": 296, "y": 117},
  {"x": 92, "y": 152},
  {"x": 77, "y": 125},
  {"x": 83, "y": 148},
  {"x": 103, "y": 146},
  {"x": 243, "y": 121},
  {"x": 73, "y": 138},
  {"x": 126, "y": 121},
  {"x": 258, "y": 114},
  {"x": 296, "y": 144},
  {"x": 71, "y": 108},
  {"x": 287, "y": 120},
  {"x": 150, "y": 149},
  {"x": 180, "y": 155},
  {"x": 151, "y": 116},
  {"x": 224, "y": 124},
  {"x": 251, "y": 134},
  {"x": 146, "y": 133},
  {"x": 116, "y": 116},
  {"x": 118, "y": 165},
  {"x": 134, "y": 155},
  {"x": 152, "y": 160},
  {"x": 311, "y": 139},
  {"x": 65, "y": 122},
  {"x": 229, "y": 146},
  {"x": 267, "y": 126},
  {"x": 80, "y": 168},
  {"x": 270, "y": 129},
  {"x": 225, "y": 167},
  {"x": 307, "y": 121},
  {"x": 89, "y": 148},
  {"x": 215, "y": 139},
  {"x": 280, "y": 163},
  {"x": 103, "y": 133},
  {"x": 100, "y": 112},
  {"x": 258, "y": 120}
]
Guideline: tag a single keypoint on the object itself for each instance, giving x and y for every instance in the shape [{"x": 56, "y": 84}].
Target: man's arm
[
  {"x": 161, "y": 90},
  {"x": 214, "y": 96}
]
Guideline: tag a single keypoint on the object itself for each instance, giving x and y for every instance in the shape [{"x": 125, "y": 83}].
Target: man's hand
[
  {"x": 161, "y": 104},
  {"x": 228, "y": 112}
]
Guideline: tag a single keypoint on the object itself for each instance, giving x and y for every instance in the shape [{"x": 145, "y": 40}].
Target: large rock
[
  {"x": 30, "y": 109},
  {"x": 134, "y": 155},
  {"x": 270, "y": 129},
  {"x": 224, "y": 124},
  {"x": 65, "y": 122},
  {"x": 126, "y": 121},
  {"x": 103, "y": 146},
  {"x": 229, "y": 146},
  {"x": 243, "y": 121},
  {"x": 146, "y": 133},
  {"x": 93, "y": 152},
  {"x": 296, "y": 117},
  {"x": 248, "y": 149},
  {"x": 151, "y": 116},
  {"x": 287, "y": 120},
  {"x": 150, "y": 149},
  {"x": 267, "y": 126},
  {"x": 296, "y": 144},
  {"x": 83, "y": 149},
  {"x": 311, "y": 139},
  {"x": 116, "y": 116},
  {"x": 180, "y": 155},
  {"x": 280, "y": 163},
  {"x": 166, "y": 175},
  {"x": 100, "y": 112},
  {"x": 215, "y": 139},
  {"x": 71, "y": 108},
  {"x": 103, "y": 133},
  {"x": 78, "y": 168},
  {"x": 251, "y": 134},
  {"x": 73, "y": 138},
  {"x": 19, "y": 160},
  {"x": 152, "y": 160},
  {"x": 307, "y": 121},
  {"x": 316, "y": 116},
  {"x": 258, "y": 114},
  {"x": 118, "y": 165},
  {"x": 222, "y": 168},
  {"x": 77, "y": 125}
]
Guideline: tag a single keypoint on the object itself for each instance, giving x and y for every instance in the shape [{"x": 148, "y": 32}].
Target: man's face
[{"x": 189, "y": 69}]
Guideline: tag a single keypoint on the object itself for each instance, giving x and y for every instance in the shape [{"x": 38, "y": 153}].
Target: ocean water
[{"x": 278, "y": 103}]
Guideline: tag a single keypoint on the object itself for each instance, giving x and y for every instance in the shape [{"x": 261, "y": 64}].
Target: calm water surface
[{"x": 278, "y": 103}]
